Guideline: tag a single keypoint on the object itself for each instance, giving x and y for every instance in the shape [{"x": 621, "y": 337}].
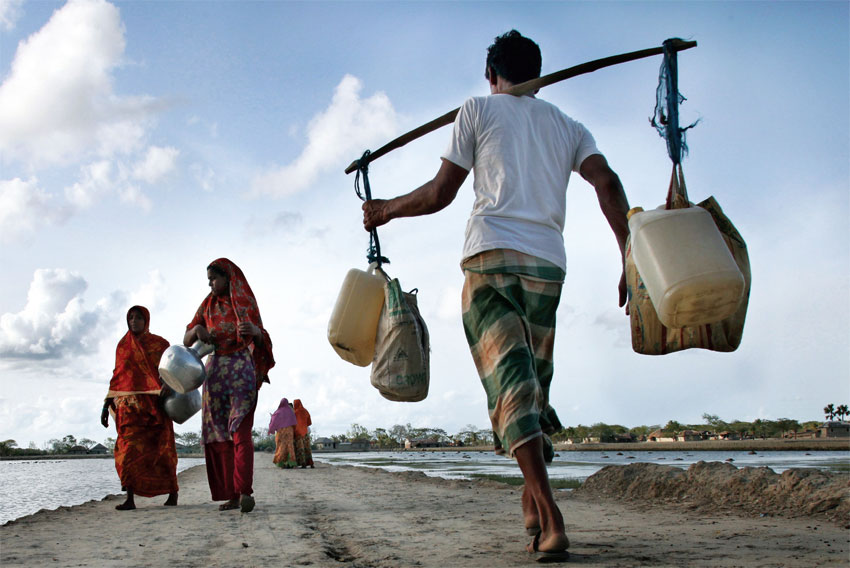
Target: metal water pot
[
  {"x": 182, "y": 368},
  {"x": 181, "y": 407}
]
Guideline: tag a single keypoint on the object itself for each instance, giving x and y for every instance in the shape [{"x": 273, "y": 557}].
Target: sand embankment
[{"x": 338, "y": 515}]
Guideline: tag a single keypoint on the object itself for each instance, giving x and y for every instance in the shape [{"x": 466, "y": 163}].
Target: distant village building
[
  {"x": 807, "y": 434},
  {"x": 324, "y": 444},
  {"x": 689, "y": 436},
  {"x": 727, "y": 435},
  {"x": 78, "y": 450},
  {"x": 660, "y": 436},
  {"x": 835, "y": 429},
  {"x": 98, "y": 449}
]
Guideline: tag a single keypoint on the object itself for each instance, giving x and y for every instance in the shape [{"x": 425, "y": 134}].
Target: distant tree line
[
  {"x": 758, "y": 428},
  {"x": 470, "y": 435}
]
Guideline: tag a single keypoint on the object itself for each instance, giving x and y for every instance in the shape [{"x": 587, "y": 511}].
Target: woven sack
[
  {"x": 400, "y": 369},
  {"x": 649, "y": 335}
]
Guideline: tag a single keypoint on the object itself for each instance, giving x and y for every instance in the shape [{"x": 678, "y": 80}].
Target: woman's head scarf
[
  {"x": 137, "y": 360},
  {"x": 303, "y": 418},
  {"x": 283, "y": 417},
  {"x": 245, "y": 307}
]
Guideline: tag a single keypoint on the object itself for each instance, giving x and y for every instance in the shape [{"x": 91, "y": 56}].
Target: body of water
[
  {"x": 27, "y": 486},
  {"x": 576, "y": 464}
]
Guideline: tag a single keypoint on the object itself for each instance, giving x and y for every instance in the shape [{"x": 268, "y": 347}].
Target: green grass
[{"x": 513, "y": 480}]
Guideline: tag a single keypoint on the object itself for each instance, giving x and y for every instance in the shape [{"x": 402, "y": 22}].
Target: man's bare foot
[
  {"x": 555, "y": 542},
  {"x": 559, "y": 554},
  {"x": 229, "y": 505},
  {"x": 172, "y": 500}
]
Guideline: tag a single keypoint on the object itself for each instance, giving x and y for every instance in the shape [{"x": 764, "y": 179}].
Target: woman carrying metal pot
[
  {"x": 229, "y": 319},
  {"x": 145, "y": 455}
]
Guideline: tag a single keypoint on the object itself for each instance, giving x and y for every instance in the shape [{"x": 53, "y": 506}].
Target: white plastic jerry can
[
  {"x": 354, "y": 321},
  {"x": 689, "y": 273}
]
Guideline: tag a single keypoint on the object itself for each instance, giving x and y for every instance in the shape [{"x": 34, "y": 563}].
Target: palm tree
[
  {"x": 829, "y": 410},
  {"x": 842, "y": 411}
]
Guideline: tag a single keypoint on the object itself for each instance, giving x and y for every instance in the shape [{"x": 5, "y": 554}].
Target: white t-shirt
[{"x": 522, "y": 151}]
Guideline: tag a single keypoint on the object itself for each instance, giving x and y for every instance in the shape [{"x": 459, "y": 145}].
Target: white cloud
[
  {"x": 204, "y": 175},
  {"x": 281, "y": 223},
  {"x": 10, "y": 11},
  {"x": 104, "y": 177},
  {"x": 347, "y": 126},
  {"x": 96, "y": 181},
  {"x": 157, "y": 163},
  {"x": 54, "y": 321},
  {"x": 25, "y": 205},
  {"x": 57, "y": 104},
  {"x": 151, "y": 293},
  {"x": 133, "y": 195}
]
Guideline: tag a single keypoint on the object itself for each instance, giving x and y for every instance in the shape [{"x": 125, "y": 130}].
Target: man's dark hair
[{"x": 514, "y": 57}]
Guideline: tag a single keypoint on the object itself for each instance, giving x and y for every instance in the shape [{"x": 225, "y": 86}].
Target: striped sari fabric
[{"x": 509, "y": 305}]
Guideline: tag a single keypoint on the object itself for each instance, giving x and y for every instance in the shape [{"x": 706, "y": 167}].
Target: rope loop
[
  {"x": 665, "y": 118},
  {"x": 373, "y": 253}
]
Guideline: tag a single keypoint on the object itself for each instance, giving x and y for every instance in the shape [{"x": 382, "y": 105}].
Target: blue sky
[{"x": 141, "y": 140}]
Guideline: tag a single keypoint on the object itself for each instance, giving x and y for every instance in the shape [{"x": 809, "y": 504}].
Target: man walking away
[{"x": 522, "y": 151}]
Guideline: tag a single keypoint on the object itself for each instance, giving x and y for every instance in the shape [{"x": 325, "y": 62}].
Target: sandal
[{"x": 246, "y": 504}]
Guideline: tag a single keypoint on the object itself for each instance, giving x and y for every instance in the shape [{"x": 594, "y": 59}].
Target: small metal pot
[
  {"x": 182, "y": 368},
  {"x": 181, "y": 407}
]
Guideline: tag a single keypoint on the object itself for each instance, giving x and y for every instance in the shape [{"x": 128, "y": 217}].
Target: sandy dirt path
[{"x": 346, "y": 516}]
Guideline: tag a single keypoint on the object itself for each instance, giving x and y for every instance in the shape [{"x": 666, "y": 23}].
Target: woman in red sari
[
  {"x": 230, "y": 319},
  {"x": 145, "y": 455}
]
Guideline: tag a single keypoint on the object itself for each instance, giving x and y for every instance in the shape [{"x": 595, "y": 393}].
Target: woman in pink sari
[{"x": 283, "y": 425}]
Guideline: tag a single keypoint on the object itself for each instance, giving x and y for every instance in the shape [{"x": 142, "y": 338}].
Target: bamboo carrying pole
[{"x": 533, "y": 85}]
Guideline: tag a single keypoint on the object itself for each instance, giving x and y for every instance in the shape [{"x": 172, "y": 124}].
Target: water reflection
[{"x": 28, "y": 486}]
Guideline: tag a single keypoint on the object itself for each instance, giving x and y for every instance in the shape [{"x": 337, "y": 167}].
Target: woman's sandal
[{"x": 246, "y": 504}]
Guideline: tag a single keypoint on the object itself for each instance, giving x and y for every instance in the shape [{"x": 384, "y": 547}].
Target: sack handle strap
[{"x": 677, "y": 194}]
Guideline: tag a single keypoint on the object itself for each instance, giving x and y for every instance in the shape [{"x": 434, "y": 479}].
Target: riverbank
[
  {"x": 773, "y": 444},
  {"x": 335, "y": 515}
]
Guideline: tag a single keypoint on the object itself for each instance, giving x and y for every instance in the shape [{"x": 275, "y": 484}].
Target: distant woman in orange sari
[
  {"x": 303, "y": 454},
  {"x": 230, "y": 319},
  {"x": 145, "y": 455}
]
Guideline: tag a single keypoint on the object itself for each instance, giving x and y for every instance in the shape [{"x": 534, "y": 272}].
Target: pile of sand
[{"x": 716, "y": 486}]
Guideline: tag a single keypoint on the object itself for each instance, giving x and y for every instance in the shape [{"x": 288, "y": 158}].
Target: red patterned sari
[{"x": 145, "y": 455}]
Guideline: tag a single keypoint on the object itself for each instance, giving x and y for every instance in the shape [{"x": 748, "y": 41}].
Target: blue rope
[
  {"x": 373, "y": 254},
  {"x": 665, "y": 119}
]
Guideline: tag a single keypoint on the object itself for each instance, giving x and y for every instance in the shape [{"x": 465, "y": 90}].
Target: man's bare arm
[
  {"x": 612, "y": 202},
  {"x": 424, "y": 200}
]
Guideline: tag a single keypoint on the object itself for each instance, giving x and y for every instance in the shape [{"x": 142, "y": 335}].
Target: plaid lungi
[{"x": 509, "y": 305}]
